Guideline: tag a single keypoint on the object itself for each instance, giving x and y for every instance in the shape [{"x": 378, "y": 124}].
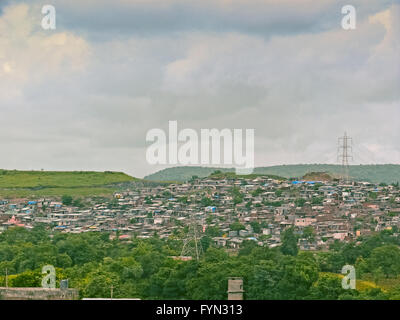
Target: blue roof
[{"x": 297, "y": 182}]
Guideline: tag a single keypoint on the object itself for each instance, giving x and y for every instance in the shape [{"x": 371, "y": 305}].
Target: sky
[{"x": 83, "y": 96}]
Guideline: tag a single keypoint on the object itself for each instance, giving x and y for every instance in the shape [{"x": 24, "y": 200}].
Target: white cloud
[
  {"x": 30, "y": 54},
  {"x": 72, "y": 100}
]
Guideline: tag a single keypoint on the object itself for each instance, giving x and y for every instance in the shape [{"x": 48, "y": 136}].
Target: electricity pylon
[
  {"x": 345, "y": 151},
  {"x": 191, "y": 244}
]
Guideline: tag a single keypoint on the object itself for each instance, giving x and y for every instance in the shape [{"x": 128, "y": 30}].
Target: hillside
[
  {"x": 14, "y": 183},
  {"x": 387, "y": 173},
  {"x": 317, "y": 176},
  {"x": 232, "y": 175},
  {"x": 183, "y": 173}
]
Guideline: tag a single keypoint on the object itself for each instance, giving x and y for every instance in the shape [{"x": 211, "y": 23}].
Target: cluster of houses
[{"x": 228, "y": 210}]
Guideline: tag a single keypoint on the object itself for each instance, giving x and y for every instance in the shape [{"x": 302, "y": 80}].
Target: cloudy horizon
[{"x": 83, "y": 96}]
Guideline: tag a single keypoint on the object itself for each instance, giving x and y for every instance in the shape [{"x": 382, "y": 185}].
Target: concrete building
[{"x": 235, "y": 288}]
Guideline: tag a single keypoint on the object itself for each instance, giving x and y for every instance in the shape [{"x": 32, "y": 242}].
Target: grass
[
  {"x": 389, "y": 284},
  {"x": 361, "y": 285},
  {"x": 32, "y": 184}
]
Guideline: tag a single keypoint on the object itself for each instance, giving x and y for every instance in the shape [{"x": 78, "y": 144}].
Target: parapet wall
[{"x": 38, "y": 294}]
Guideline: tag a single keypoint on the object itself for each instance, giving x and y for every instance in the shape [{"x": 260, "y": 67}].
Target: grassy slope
[
  {"x": 387, "y": 173},
  {"x": 15, "y": 183}
]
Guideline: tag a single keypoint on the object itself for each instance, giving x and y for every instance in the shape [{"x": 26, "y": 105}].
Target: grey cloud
[
  {"x": 299, "y": 87},
  {"x": 102, "y": 19}
]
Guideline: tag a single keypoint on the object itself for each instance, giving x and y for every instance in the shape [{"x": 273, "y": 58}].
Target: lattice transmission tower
[
  {"x": 345, "y": 152},
  {"x": 191, "y": 243}
]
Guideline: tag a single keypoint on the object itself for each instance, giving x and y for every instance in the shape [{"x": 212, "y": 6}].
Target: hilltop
[
  {"x": 317, "y": 176},
  {"x": 386, "y": 173},
  {"x": 16, "y": 184}
]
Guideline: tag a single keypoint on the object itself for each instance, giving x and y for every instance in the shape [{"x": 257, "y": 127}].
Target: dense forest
[{"x": 143, "y": 268}]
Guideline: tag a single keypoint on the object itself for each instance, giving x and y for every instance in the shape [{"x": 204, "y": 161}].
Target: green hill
[
  {"x": 14, "y": 183},
  {"x": 387, "y": 173},
  {"x": 232, "y": 175}
]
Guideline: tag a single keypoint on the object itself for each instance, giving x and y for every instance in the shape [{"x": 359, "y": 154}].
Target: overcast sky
[{"x": 83, "y": 96}]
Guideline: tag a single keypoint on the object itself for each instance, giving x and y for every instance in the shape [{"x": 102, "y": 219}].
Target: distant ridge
[{"x": 380, "y": 173}]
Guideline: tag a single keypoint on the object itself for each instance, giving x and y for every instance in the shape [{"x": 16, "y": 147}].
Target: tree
[
  {"x": 98, "y": 284},
  {"x": 257, "y": 192},
  {"x": 79, "y": 250},
  {"x": 206, "y": 202},
  {"x": 66, "y": 200},
  {"x": 300, "y": 273},
  {"x": 213, "y": 231},
  {"x": 127, "y": 268},
  {"x": 386, "y": 258},
  {"x": 289, "y": 242},
  {"x": 300, "y": 202},
  {"x": 394, "y": 293},
  {"x": 278, "y": 193},
  {"x": 237, "y": 195},
  {"x": 211, "y": 278},
  {"x": 149, "y": 256},
  {"x": 248, "y": 205},
  {"x": 309, "y": 233},
  {"x": 373, "y": 195},
  {"x": 64, "y": 260},
  {"x": 27, "y": 279},
  {"x": 328, "y": 287},
  {"x": 183, "y": 199},
  {"x": 256, "y": 226},
  {"x": 247, "y": 247},
  {"x": 78, "y": 203},
  {"x": 167, "y": 194},
  {"x": 317, "y": 200},
  {"x": 237, "y": 226},
  {"x": 205, "y": 242},
  {"x": 263, "y": 281}
]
